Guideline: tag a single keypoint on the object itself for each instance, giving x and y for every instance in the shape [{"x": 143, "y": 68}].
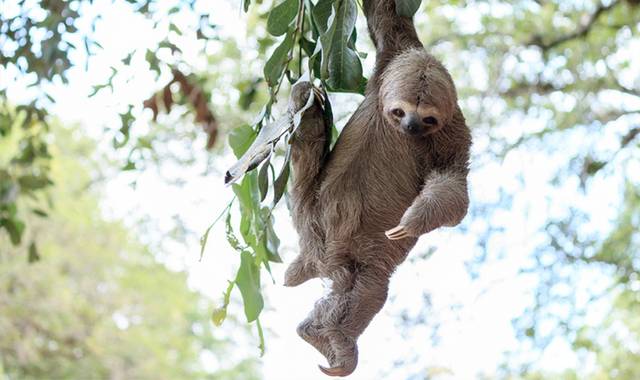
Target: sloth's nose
[{"x": 411, "y": 124}]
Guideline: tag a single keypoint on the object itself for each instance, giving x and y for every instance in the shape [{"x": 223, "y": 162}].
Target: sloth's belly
[{"x": 368, "y": 194}]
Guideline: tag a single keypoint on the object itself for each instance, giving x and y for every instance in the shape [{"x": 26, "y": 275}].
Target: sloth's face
[
  {"x": 413, "y": 119},
  {"x": 417, "y": 95}
]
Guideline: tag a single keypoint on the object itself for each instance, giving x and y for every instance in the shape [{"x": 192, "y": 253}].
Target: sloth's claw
[
  {"x": 346, "y": 357},
  {"x": 334, "y": 371},
  {"x": 397, "y": 233},
  {"x": 319, "y": 95}
]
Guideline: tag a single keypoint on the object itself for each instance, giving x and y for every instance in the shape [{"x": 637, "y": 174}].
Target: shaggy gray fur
[{"x": 377, "y": 177}]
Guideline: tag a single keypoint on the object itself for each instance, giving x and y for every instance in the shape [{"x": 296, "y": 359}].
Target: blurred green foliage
[
  {"x": 24, "y": 168},
  {"x": 98, "y": 305}
]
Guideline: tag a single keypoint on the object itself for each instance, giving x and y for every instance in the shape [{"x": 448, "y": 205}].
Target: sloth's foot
[
  {"x": 298, "y": 272},
  {"x": 311, "y": 334},
  {"x": 345, "y": 350}
]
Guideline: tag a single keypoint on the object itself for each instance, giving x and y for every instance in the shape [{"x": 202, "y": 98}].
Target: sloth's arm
[
  {"x": 442, "y": 202},
  {"x": 308, "y": 150},
  {"x": 444, "y": 199},
  {"x": 391, "y": 33}
]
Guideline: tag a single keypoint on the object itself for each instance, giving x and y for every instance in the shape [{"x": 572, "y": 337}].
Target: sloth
[{"x": 398, "y": 170}]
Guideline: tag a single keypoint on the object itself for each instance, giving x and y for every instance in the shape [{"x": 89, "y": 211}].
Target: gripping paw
[{"x": 396, "y": 233}]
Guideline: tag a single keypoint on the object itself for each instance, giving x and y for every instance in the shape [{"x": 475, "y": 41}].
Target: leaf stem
[
  {"x": 205, "y": 236},
  {"x": 299, "y": 25}
]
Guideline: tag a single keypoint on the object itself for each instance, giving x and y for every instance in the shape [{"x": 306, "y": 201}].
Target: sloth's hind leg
[
  {"x": 332, "y": 312},
  {"x": 351, "y": 314},
  {"x": 367, "y": 298}
]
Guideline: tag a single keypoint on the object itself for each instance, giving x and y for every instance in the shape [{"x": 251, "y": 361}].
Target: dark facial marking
[
  {"x": 430, "y": 120},
  {"x": 397, "y": 112}
]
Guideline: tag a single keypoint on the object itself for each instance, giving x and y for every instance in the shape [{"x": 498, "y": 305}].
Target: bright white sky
[{"x": 472, "y": 337}]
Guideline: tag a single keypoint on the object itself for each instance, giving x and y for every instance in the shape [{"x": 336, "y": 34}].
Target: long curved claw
[
  {"x": 319, "y": 95},
  {"x": 334, "y": 371},
  {"x": 397, "y": 233},
  {"x": 345, "y": 364}
]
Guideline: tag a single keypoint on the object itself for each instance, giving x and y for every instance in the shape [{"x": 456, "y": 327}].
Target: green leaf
[
  {"x": 174, "y": 28},
  {"x": 530, "y": 332},
  {"x": 33, "y": 253},
  {"x": 345, "y": 70},
  {"x": 280, "y": 184},
  {"x": 240, "y": 139},
  {"x": 271, "y": 241},
  {"x": 245, "y": 4},
  {"x": 282, "y": 16},
  {"x": 308, "y": 46},
  {"x": 15, "y": 228},
  {"x": 130, "y": 165},
  {"x": 231, "y": 236},
  {"x": 96, "y": 88},
  {"x": 248, "y": 195},
  {"x": 248, "y": 281},
  {"x": 203, "y": 240},
  {"x": 407, "y": 8},
  {"x": 592, "y": 167},
  {"x": 40, "y": 213},
  {"x": 33, "y": 182},
  {"x": 320, "y": 14},
  {"x": 275, "y": 64},
  {"x": 245, "y": 191},
  {"x": 326, "y": 40},
  {"x": 220, "y": 314},
  {"x": 263, "y": 179},
  {"x": 341, "y": 65}
]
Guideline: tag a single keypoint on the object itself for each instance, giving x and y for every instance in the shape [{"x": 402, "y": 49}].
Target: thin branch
[
  {"x": 626, "y": 90},
  {"x": 581, "y": 32},
  {"x": 632, "y": 134}
]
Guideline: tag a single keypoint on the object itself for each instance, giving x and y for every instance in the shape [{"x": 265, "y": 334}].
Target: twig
[{"x": 581, "y": 32}]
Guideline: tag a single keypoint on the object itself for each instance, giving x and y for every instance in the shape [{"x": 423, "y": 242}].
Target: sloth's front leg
[
  {"x": 442, "y": 202},
  {"x": 308, "y": 151},
  {"x": 308, "y": 144}
]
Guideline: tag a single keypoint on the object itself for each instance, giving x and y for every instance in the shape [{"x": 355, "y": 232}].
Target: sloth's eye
[
  {"x": 397, "y": 112},
  {"x": 430, "y": 120}
]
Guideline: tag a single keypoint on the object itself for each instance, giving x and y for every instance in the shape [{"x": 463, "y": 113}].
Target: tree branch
[
  {"x": 581, "y": 32},
  {"x": 633, "y": 132}
]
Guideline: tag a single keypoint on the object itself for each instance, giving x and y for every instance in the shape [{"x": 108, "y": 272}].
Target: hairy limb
[
  {"x": 308, "y": 151},
  {"x": 309, "y": 144},
  {"x": 350, "y": 313},
  {"x": 321, "y": 328},
  {"x": 443, "y": 202},
  {"x": 391, "y": 33}
]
